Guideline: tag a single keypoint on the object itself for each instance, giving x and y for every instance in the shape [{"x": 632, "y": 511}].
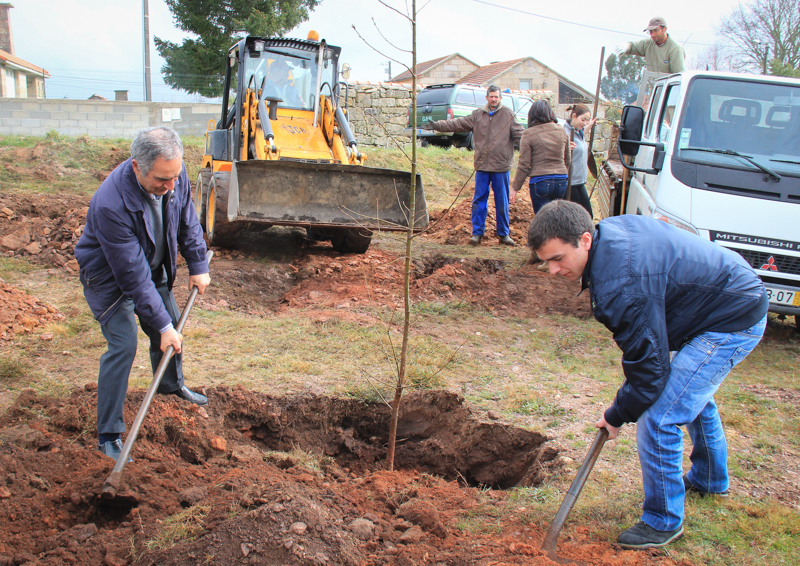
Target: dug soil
[{"x": 256, "y": 479}]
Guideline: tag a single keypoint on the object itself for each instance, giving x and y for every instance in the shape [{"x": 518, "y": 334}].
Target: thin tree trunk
[{"x": 401, "y": 372}]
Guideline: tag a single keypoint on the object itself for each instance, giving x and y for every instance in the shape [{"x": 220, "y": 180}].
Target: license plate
[
  {"x": 781, "y": 297},
  {"x": 424, "y": 133}
]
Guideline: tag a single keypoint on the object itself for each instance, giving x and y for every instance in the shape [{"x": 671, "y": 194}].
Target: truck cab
[{"x": 718, "y": 155}]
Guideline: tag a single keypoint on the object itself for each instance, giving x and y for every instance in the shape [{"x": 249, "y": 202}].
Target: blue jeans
[
  {"x": 499, "y": 183},
  {"x": 543, "y": 192},
  {"x": 696, "y": 372}
]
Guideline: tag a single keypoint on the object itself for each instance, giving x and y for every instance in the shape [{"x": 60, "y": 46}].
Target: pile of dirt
[
  {"x": 454, "y": 226},
  {"x": 376, "y": 278},
  {"x": 42, "y": 228},
  {"x": 255, "y": 479},
  {"x": 21, "y": 313}
]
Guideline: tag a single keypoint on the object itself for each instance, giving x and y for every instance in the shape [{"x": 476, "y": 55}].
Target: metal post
[{"x": 148, "y": 94}]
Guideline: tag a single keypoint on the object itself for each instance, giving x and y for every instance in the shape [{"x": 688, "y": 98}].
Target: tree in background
[
  {"x": 197, "y": 65},
  {"x": 622, "y": 77},
  {"x": 763, "y": 36}
]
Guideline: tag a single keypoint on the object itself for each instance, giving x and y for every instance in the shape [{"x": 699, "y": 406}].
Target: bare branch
[
  {"x": 379, "y": 52},
  {"x": 406, "y": 16},
  {"x": 385, "y": 38}
]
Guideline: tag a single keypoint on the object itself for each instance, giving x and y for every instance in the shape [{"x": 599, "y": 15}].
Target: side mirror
[
  {"x": 630, "y": 129},
  {"x": 345, "y": 71}
]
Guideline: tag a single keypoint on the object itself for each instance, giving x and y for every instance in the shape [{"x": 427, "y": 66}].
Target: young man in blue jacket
[
  {"x": 660, "y": 289},
  {"x": 138, "y": 218}
]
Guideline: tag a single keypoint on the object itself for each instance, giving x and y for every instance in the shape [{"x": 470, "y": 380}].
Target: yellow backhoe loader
[{"x": 283, "y": 153}]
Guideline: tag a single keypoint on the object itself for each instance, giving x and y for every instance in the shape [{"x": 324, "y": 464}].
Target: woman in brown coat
[{"x": 543, "y": 156}]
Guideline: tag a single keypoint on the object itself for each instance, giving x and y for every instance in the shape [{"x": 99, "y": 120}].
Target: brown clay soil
[{"x": 237, "y": 468}]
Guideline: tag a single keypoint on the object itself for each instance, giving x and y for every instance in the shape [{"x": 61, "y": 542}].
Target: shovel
[
  {"x": 590, "y": 156},
  {"x": 111, "y": 485},
  {"x": 550, "y": 539}
]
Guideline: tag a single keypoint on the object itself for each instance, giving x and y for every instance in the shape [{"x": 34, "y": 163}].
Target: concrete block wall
[{"x": 100, "y": 118}]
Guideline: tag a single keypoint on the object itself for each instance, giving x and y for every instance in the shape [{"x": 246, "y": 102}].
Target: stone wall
[
  {"x": 101, "y": 118},
  {"x": 377, "y": 112}
]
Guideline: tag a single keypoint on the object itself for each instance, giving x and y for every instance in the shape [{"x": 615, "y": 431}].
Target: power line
[{"x": 568, "y": 22}]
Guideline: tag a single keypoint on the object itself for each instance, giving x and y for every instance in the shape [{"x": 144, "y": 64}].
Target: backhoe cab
[{"x": 283, "y": 153}]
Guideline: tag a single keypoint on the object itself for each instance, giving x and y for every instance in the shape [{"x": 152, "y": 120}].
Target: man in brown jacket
[{"x": 494, "y": 132}]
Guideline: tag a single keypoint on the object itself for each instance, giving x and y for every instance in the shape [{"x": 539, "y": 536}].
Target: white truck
[{"x": 718, "y": 155}]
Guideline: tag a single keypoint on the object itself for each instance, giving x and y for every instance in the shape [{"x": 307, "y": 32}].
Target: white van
[{"x": 718, "y": 155}]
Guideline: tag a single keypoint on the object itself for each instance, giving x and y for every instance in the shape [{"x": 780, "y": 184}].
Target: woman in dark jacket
[{"x": 543, "y": 156}]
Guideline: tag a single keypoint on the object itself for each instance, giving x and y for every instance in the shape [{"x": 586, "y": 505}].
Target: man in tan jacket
[{"x": 494, "y": 132}]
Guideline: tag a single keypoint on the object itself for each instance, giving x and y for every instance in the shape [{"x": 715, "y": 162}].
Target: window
[
  {"x": 673, "y": 93},
  {"x": 654, "y": 109},
  {"x": 525, "y": 84},
  {"x": 465, "y": 96},
  {"x": 9, "y": 89}
]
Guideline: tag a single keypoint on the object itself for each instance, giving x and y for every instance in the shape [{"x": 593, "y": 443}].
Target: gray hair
[
  {"x": 560, "y": 219},
  {"x": 493, "y": 88},
  {"x": 151, "y": 143}
]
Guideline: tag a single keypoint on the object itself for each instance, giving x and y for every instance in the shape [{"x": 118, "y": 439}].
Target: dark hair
[
  {"x": 541, "y": 113},
  {"x": 577, "y": 110},
  {"x": 560, "y": 219},
  {"x": 493, "y": 88},
  {"x": 151, "y": 143}
]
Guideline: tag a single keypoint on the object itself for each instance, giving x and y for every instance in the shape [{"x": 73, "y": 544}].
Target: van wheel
[
  {"x": 469, "y": 142},
  {"x": 351, "y": 240}
]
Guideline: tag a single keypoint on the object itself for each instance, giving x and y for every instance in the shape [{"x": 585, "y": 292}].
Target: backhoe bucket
[{"x": 297, "y": 193}]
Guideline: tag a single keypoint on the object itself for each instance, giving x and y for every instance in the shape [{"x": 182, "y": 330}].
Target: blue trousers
[
  {"x": 696, "y": 372},
  {"x": 545, "y": 191},
  {"x": 499, "y": 183},
  {"x": 115, "y": 365}
]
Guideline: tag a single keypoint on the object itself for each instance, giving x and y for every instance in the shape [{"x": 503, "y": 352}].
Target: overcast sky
[{"x": 95, "y": 46}]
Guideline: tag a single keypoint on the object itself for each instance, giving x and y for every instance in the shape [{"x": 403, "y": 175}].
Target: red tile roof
[
  {"x": 421, "y": 68},
  {"x": 488, "y": 72},
  {"x": 6, "y": 56}
]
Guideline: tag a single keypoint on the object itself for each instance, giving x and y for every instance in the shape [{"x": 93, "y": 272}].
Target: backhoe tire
[
  {"x": 219, "y": 232},
  {"x": 351, "y": 240},
  {"x": 199, "y": 197}
]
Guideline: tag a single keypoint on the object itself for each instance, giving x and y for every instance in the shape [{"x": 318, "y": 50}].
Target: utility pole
[{"x": 148, "y": 93}]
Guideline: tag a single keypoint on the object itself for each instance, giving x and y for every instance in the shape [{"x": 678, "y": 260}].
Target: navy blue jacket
[
  {"x": 656, "y": 287},
  {"x": 117, "y": 244}
]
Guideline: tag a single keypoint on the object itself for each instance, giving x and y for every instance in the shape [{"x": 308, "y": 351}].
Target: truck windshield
[
  {"x": 287, "y": 74},
  {"x": 757, "y": 123}
]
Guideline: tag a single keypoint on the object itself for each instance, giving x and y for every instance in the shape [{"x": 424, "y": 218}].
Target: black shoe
[
  {"x": 642, "y": 535},
  {"x": 186, "y": 393},
  {"x": 507, "y": 241},
  {"x": 475, "y": 240},
  {"x": 112, "y": 449},
  {"x": 689, "y": 487}
]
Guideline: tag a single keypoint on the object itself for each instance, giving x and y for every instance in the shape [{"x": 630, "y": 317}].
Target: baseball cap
[{"x": 655, "y": 23}]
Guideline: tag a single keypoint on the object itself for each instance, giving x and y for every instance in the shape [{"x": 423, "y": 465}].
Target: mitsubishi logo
[{"x": 770, "y": 265}]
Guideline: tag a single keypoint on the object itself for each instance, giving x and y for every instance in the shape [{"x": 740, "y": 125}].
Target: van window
[
  {"x": 433, "y": 96},
  {"x": 522, "y": 108},
  {"x": 653, "y": 109},
  {"x": 668, "y": 113},
  {"x": 465, "y": 96}
]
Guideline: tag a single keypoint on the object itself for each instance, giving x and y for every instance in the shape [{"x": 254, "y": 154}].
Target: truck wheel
[
  {"x": 203, "y": 181},
  {"x": 219, "y": 232},
  {"x": 351, "y": 240}
]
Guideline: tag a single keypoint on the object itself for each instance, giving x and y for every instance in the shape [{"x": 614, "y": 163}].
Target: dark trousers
[
  {"x": 580, "y": 196},
  {"x": 115, "y": 365}
]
